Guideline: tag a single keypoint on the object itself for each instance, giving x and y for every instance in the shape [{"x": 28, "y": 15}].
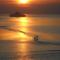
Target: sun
[{"x": 23, "y": 1}]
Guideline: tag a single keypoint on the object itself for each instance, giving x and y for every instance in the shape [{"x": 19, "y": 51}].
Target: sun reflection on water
[
  {"x": 23, "y": 46},
  {"x": 24, "y": 49},
  {"x": 23, "y": 23}
]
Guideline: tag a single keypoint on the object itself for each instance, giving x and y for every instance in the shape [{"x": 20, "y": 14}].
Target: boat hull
[{"x": 17, "y": 15}]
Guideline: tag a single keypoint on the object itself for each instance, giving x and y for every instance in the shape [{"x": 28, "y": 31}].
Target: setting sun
[{"x": 23, "y": 1}]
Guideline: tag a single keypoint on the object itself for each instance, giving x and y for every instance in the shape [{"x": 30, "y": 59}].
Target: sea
[{"x": 17, "y": 37}]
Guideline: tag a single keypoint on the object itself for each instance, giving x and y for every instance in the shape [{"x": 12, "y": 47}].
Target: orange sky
[
  {"x": 45, "y": 6},
  {"x": 32, "y": 1}
]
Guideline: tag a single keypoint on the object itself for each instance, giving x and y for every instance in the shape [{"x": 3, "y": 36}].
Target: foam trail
[{"x": 14, "y": 30}]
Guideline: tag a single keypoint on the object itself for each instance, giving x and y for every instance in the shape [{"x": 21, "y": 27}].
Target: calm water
[{"x": 16, "y": 38}]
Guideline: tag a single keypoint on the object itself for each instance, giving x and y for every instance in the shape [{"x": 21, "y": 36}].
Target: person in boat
[{"x": 36, "y": 38}]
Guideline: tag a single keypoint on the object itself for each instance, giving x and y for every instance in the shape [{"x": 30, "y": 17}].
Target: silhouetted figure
[{"x": 36, "y": 38}]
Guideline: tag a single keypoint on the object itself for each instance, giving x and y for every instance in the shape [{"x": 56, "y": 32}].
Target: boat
[{"x": 17, "y": 14}]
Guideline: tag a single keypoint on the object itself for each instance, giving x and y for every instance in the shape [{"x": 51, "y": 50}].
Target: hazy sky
[
  {"x": 31, "y": 1},
  {"x": 35, "y": 6}
]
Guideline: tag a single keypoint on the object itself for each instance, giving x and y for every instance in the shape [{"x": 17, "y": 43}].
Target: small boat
[{"x": 17, "y": 14}]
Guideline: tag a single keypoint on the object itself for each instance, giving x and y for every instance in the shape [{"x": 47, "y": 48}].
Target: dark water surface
[{"x": 16, "y": 38}]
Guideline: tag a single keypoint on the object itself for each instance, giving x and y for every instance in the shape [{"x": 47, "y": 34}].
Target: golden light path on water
[
  {"x": 24, "y": 23},
  {"x": 23, "y": 47}
]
